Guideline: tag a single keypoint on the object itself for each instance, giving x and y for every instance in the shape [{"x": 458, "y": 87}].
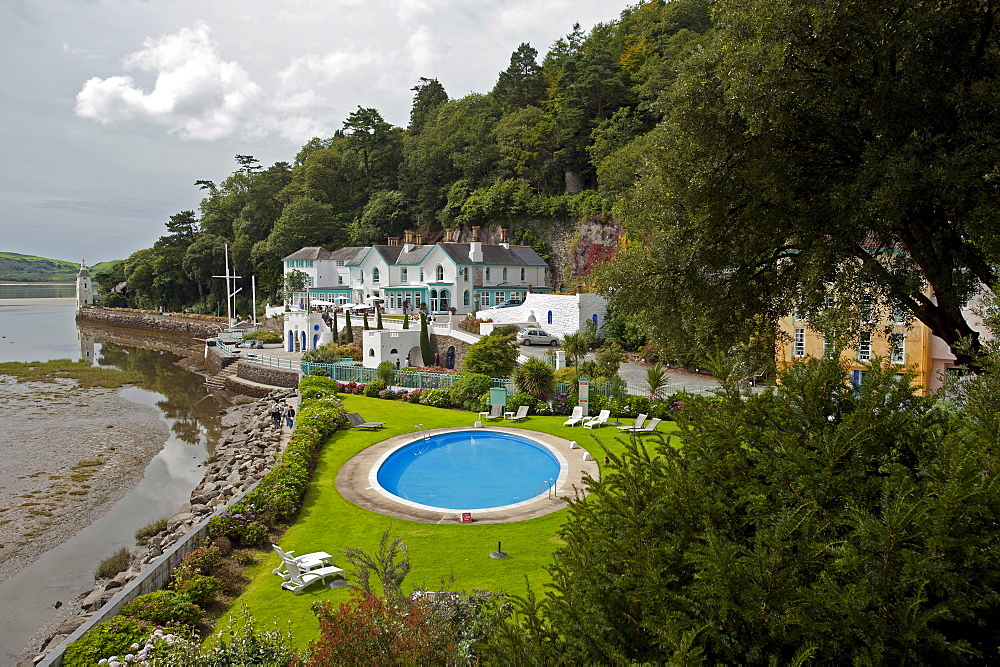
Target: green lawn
[{"x": 453, "y": 556}]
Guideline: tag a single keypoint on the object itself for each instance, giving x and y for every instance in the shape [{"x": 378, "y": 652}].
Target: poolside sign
[
  {"x": 585, "y": 395},
  {"x": 466, "y": 517}
]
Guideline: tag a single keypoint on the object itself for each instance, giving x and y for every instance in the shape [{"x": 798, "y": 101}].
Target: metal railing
[{"x": 272, "y": 362}]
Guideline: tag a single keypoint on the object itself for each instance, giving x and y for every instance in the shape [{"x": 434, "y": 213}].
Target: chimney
[
  {"x": 392, "y": 240},
  {"x": 418, "y": 238},
  {"x": 475, "y": 234},
  {"x": 476, "y": 250},
  {"x": 451, "y": 235},
  {"x": 503, "y": 236},
  {"x": 505, "y": 245},
  {"x": 408, "y": 236},
  {"x": 407, "y": 247}
]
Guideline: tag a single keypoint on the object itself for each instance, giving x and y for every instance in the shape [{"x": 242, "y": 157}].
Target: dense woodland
[
  {"x": 553, "y": 141},
  {"x": 745, "y": 158}
]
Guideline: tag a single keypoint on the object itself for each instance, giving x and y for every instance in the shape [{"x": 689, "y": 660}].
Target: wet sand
[{"x": 69, "y": 454}]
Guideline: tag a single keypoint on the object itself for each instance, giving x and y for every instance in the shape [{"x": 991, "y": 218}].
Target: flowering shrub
[
  {"x": 316, "y": 386},
  {"x": 205, "y": 559},
  {"x": 392, "y": 395},
  {"x": 155, "y": 646},
  {"x": 436, "y": 398},
  {"x": 112, "y": 637},
  {"x": 373, "y": 388},
  {"x": 514, "y": 401},
  {"x": 564, "y": 402},
  {"x": 198, "y": 588},
  {"x": 162, "y": 607},
  {"x": 415, "y": 396},
  {"x": 240, "y": 524},
  {"x": 350, "y": 387}
]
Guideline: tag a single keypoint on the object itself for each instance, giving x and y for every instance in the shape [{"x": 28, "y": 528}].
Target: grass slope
[
  {"x": 443, "y": 556},
  {"x": 31, "y": 269}
]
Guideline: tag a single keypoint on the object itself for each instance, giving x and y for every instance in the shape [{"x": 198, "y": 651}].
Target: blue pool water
[{"x": 467, "y": 470}]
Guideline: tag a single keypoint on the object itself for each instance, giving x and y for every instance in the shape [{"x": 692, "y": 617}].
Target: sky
[{"x": 112, "y": 109}]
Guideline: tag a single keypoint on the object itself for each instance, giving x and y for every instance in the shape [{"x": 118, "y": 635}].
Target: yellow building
[{"x": 910, "y": 345}]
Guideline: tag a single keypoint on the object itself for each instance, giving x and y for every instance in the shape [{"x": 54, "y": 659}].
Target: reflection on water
[{"x": 42, "y": 332}]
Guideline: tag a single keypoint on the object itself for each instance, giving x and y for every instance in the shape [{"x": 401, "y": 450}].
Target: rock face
[{"x": 245, "y": 453}]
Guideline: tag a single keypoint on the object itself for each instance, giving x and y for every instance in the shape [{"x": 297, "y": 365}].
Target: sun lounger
[
  {"x": 310, "y": 561},
  {"x": 636, "y": 426},
  {"x": 576, "y": 418},
  {"x": 496, "y": 412},
  {"x": 298, "y": 579},
  {"x": 653, "y": 423},
  {"x": 600, "y": 420},
  {"x": 357, "y": 421},
  {"x": 522, "y": 413}
]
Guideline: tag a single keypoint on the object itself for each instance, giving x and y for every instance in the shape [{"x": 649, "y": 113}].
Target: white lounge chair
[
  {"x": 650, "y": 428},
  {"x": 600, "y": 420},
  {"x": 357, "y": 421},
  {"x": 309, "y": 561},
  {"x": 297, "y": 579},
  {"x": 575, "y": 418},
  {"x": 636, "y": 426},
  {"x": 496, "y": 412},
  {"x": 522, "y": 413}
]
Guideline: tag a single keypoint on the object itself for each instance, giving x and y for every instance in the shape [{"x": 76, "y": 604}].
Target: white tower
[{"x": 84, "y": 288}]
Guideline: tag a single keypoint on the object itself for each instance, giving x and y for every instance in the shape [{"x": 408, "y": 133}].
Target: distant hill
[{"x": 30, "y": 269}]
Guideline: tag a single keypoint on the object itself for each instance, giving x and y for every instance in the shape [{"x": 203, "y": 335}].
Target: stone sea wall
[
  {"x": 244, "y": 454},
  {"x": 168, "y": 322}
]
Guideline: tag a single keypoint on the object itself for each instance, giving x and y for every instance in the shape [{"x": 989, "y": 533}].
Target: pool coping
[{"x": 352, "y": 482}]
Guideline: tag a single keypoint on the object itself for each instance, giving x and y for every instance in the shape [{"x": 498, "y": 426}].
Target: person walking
[
  {"x": 288, "y": 412},
  {"x": 276, "y": 416}
]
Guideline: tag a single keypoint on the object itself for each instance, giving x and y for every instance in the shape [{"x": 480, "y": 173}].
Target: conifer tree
[
  {"x": 333, "y": 327},
  {"x": 349, "y": 333},
  {"x": 425, "y": 342}
]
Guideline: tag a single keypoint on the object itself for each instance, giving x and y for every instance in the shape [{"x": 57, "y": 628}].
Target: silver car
[{"x": 535, "y": 337}]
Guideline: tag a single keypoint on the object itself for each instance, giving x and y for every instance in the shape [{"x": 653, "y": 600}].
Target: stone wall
[
  {"x": 172, "y": 322},
  {"x": 440, "y": 345},
  {"x": 263, "y": 375}
]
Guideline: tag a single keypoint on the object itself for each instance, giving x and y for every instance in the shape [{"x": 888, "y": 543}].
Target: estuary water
[{"x": 37, "y": 323}]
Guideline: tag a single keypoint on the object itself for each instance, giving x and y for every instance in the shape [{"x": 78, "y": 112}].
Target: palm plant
[
  {"x": 534, "y": 377},
  {"x": 576, "y": 346},
  {"x": 657, "y": 381}
]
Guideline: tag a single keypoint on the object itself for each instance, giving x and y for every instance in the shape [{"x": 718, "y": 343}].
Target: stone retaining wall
[
  {"x": 172, "y": 322},
  {"x": 264, "y": 375},
  {"x": 242, "y": 457}
]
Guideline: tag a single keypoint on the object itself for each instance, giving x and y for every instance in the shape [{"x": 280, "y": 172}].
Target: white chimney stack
[{"x": 476, "y": 251}]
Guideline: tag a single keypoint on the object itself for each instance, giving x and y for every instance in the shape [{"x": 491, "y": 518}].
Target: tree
[
  {"x": 656, "y": 381},
  {"x": 492, "y": 355},
  {"x": 334, "y": 328},
  {"x": 204, "y": 259},
  {"x": 295, "y": 281},
  {"x": 534, "y": 377},
  {"x": 182, "y": 227},
  {"x": 575, "y": 345},
  {"x": 348, "y": 329},
  {"x": 522, "y": 83},
  {"x": 811, "y": 148},
  {"x": 370, "y": 133},
  {"x": 305, "y": 222},
  {"x": 425, "y": 342},
  {"x": 429, "y": 94},
  {"x": 814, "y": 520}
]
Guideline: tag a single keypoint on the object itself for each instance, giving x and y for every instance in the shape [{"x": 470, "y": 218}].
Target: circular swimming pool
[{"x": 467, "y": 470}]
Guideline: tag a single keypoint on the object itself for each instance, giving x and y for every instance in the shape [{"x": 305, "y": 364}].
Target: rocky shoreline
[{"x": 246, "y": 451}]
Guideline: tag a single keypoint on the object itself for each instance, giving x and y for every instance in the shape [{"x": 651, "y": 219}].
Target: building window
[
  {"x": 403, "y": 278},
  {"x": 421, "y": 274},
  {"x": 867, "y": 312},
  {"x": 488, "y": 274},
  {"x": 504, "y": 274},
  {"x": 375, "y": 275},
  {"x": 829, "y": 300},
  {"x": 799, "y": 346},
  {"x": 340, "y": 262},
  {"x": 443, "y": 298},
  {"x": 434, "y": 300},
  {"x": 865, "y": 346},
  {"x": 899, "y": 314},
  {"x": 828, "y": 349},
  {"x": 549, "y": 319},
  {"x": 465, "y": 275},
  {"x": 484, "y": 298},
  {"x": 465, "y": 298},
  {"x": 501, "y": 297},
  {"x": 361, "y": 276},
  {"x": 439, "y": 273},
  {"x": 522, "y": 275},
  {"x": 340, "y": 280},
  {"x": 897, "y": 348}
]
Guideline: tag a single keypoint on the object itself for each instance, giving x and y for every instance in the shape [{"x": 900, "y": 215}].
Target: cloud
[
  {"x": 196, "y": 94},
  {"x": 119, "y": 208}
]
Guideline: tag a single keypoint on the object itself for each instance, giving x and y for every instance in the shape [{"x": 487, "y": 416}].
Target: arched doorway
[{"x": 449, "y": 359}]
